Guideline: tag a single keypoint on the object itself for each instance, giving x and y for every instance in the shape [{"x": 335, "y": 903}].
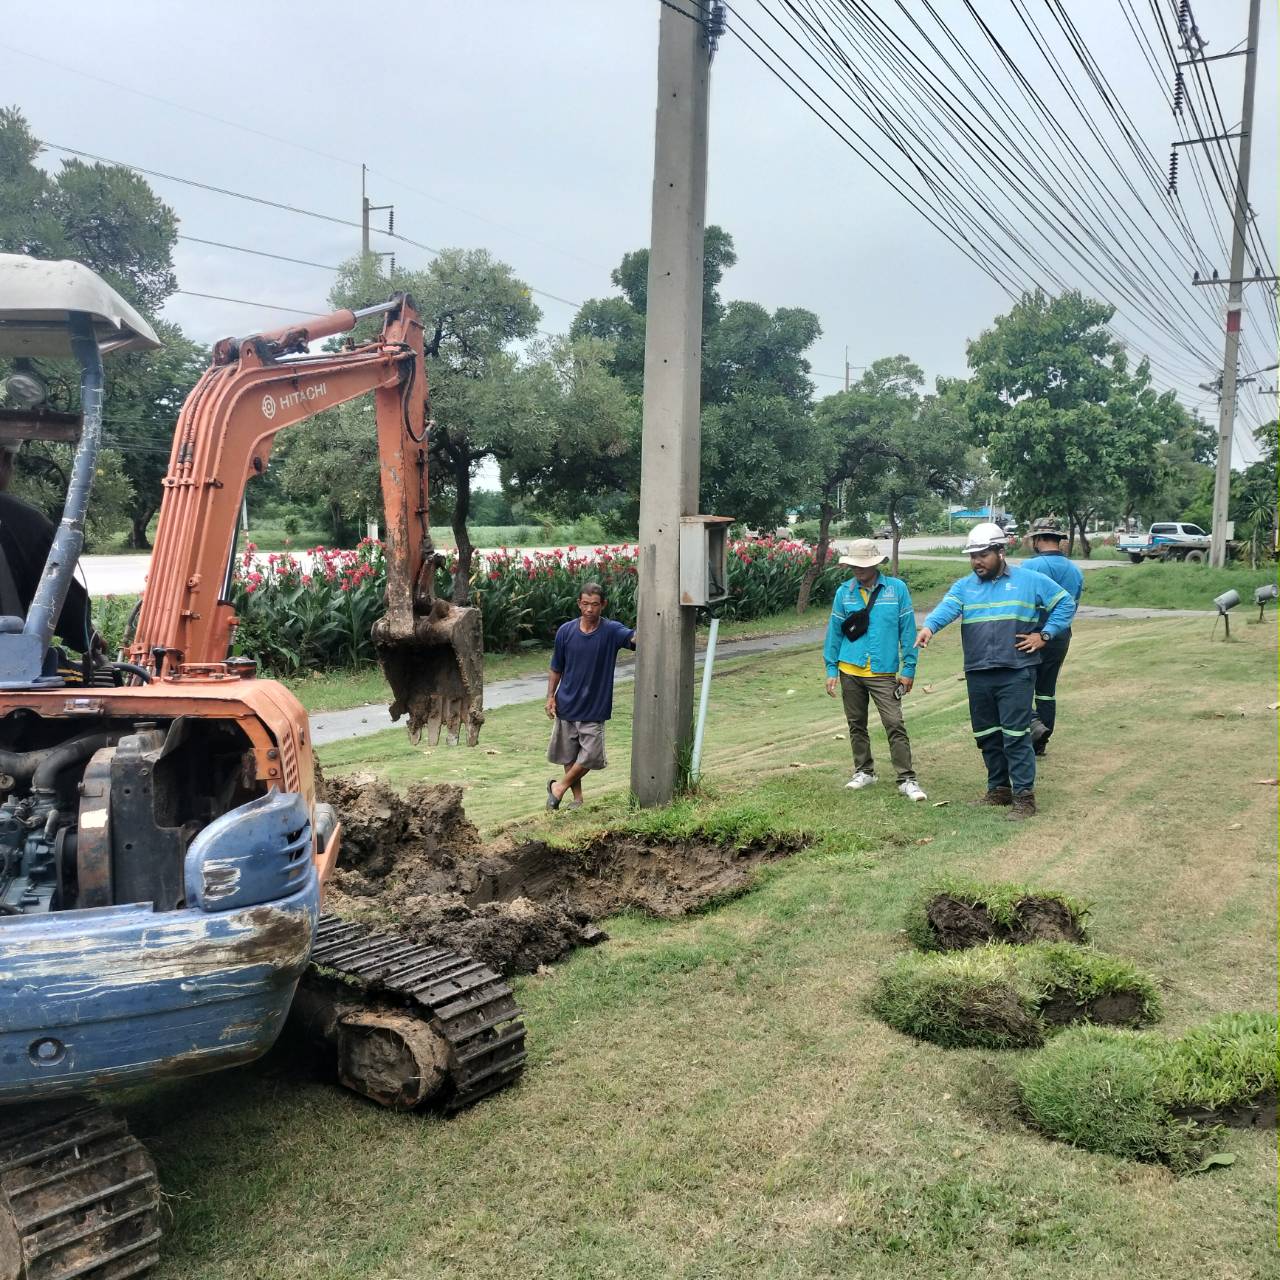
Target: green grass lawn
[
  {"x": 1155, "y": 585},
  {"x": 709, "y": 1097}
]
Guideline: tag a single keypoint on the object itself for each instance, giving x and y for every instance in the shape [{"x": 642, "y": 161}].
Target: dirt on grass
[
  {"x": 415, "y": 863},
  {"x": 958, "y": 924}
]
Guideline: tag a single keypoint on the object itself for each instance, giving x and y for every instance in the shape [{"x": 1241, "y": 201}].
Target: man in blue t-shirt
[{"x": 580, "y": 692}]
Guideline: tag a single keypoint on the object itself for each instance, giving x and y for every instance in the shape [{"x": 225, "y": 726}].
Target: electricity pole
[
  {"x": 1235, "y": 305},
  {"x": 365, "y": 210},
  {"x": 670, "y": 458}
]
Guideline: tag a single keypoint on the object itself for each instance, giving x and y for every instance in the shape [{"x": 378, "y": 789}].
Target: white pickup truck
[{"x": 1171, "y": 541}]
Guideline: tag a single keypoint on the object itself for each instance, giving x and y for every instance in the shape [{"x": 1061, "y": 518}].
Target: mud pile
[{"x": 415, "y": 863}]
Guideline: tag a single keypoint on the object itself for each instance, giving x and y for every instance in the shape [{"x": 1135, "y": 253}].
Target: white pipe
[{"x": 695, "y": 765}]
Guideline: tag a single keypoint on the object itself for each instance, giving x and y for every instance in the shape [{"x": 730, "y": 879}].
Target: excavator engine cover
[{"x": 435, "y": 670}]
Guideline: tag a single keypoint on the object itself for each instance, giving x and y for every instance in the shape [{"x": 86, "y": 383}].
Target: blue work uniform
[
  {"x": 1000, "y": 677},
  {"x": 1053, "y": 564}
]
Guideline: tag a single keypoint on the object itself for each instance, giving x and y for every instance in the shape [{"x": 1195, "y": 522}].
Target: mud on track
[{"x": 415, "y": 863}]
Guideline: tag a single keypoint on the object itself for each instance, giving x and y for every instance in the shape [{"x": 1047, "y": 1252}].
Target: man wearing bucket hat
[
  {"x": 999, "y": 608},
  {"x": 870, "y": 656},
  {"x": 1047, "y": 537}
]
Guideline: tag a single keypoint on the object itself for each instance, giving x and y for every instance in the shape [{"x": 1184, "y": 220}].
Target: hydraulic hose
[
  {"x": 42, "y": 766},
  {"x": 64, "y": 756}
]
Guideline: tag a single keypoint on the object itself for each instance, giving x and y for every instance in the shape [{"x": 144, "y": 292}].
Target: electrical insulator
[
  {"x": 1184, "y": 16},
  {"x": 1173, "y": 172},
  {"x": 391, "y": 220},
  {"x": 715, "y": 24},
  {"x": 1178, "y": 90}
]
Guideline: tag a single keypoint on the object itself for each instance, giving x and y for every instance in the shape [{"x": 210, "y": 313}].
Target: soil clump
[
  {"x": 957, "y": 925},
  {"x": 415, "y": 863}
]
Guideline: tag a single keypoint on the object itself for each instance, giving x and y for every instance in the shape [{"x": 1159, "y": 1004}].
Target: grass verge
[
  {"x": 1129, "y": 1095},
  {"x": 1010, "y": 997},
  {"x": 706, "y": 1097}
]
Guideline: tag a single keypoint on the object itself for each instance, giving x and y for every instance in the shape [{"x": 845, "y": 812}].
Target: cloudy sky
[{"x": 526, "y": 127}]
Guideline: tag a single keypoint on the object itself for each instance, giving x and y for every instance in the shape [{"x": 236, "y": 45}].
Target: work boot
[
  {"x": 1039, "y": 737},
  {"x": 1024, "y": 807},
  {"x": 994, "y": 796}
]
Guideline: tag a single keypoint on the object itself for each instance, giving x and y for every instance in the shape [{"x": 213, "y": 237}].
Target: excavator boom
[{"x": 430, "y": 650}]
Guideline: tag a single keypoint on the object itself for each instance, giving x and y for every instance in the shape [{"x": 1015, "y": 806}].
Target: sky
[{"x": 526, "y": 127}]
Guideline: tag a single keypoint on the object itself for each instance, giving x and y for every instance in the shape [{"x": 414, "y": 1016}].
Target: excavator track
[
  {"x": 467, "y": 1004},
  {"x": 79, "y": 1198}
]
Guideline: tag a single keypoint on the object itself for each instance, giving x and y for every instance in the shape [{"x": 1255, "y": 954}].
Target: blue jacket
[
  {"x": 993, "y": 613},
  {"x": 892, "y": 627},
  {"x": 1056, "y": 566}
]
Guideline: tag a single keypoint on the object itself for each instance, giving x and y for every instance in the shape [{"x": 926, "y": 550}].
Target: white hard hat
[{"x": 982, "y": 537}]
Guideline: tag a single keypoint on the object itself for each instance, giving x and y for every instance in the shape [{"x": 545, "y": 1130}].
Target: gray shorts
[{"x": 578, "y": 742}]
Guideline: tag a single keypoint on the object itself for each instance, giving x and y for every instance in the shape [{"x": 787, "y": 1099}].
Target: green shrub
[
  {"x": 1008, "y": 997},
  {"x": 1011, "y": 908},
  {"x": 300, "y": 613},
  {"x": 1129, "y": 1094},
  {"x": 111, "y": 616}
]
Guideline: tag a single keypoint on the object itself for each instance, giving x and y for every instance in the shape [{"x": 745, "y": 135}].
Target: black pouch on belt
[{"x": 855, "y": 624}]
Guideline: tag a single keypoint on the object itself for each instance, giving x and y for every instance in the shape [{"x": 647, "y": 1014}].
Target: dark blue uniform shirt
[{"x": 585, "y": 661}]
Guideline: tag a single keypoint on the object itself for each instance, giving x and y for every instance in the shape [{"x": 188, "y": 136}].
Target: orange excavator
[{"x": 162, "y": 851}]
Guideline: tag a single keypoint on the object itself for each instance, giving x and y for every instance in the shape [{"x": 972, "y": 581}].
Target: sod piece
[
  {"x": 1010, "y": 997},
  {"x": 1139, "y": 1096},
  {"x": 954, "y": 914}
]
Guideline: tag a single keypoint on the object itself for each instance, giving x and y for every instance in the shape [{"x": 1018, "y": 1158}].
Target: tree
[
  {"x": 756, "y": 392},
  {"x": 1061, "y": 416},
  {"x": 854, "y": 446},
  {"x": 928, "y": 459},
  {"x": 107, "y": 217},
  {"x": 530, "y": 412}
]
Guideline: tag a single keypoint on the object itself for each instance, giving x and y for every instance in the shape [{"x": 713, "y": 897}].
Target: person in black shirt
[{"x": 25, "y": 538}]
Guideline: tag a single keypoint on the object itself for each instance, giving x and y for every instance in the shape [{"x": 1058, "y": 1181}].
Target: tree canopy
[{"x": 1065, "y": 421}]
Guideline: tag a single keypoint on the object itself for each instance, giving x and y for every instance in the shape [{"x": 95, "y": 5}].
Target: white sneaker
[
  {"x": 860, "y": 780},
  {"x": 911, "y": 789}
]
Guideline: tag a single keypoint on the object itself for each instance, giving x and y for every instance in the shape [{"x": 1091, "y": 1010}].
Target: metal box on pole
[{"x": 704, "y": 559}]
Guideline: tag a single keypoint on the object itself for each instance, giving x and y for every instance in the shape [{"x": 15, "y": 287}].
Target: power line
[
  {"x": 261, "y": 253},
  {"x": 274, "y": 204},
  {"x": 293, "y": 142},
  {"x": 244, "y": 302}
]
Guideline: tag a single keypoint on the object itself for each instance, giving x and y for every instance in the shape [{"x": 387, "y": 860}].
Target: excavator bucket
[{"x": 435, "y": 670}]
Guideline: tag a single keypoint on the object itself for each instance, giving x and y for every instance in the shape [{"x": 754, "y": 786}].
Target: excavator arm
[{"x": 430, "y": 650}]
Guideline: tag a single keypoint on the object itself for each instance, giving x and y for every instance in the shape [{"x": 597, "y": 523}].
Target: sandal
[{"x": 553, "y": 802}]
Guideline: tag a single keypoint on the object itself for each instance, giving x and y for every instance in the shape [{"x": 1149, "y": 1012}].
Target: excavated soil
[
  {"x": 1259, "y": 1113},
  {"x": 416, "y": 863},
  {"x": 1119, "y": 1009},
  {"x": 958, "y": 925}
]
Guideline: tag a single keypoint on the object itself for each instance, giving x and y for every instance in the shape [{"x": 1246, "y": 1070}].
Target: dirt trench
[{"x": 416, "y": 863}]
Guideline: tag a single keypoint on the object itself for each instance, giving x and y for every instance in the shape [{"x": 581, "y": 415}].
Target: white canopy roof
[{"x": 36, "y": 298}]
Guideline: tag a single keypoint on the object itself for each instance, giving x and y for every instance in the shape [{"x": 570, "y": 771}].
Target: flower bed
[{"x": 316, "y": 609}]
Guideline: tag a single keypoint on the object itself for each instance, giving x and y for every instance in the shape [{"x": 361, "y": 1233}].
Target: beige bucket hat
[{"x": 863, "y": 554}]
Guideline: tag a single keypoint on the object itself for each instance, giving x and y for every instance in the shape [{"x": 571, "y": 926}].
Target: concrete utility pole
[
  {"x": 670, "y": 460},
  {"x": 1235, "y": 305}
]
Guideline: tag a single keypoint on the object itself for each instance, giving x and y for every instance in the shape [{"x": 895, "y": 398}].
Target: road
[
  {"x": 125, "y": 575},
  {"x": 358, "y": 722}
]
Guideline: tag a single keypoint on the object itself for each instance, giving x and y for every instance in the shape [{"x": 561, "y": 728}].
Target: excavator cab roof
[{"x": 37, "y": 297}]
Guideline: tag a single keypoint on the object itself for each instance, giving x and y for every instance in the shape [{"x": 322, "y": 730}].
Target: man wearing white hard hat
[
  {"x": 1000, "y": 608},
  {"x": 870, "y": 656}
]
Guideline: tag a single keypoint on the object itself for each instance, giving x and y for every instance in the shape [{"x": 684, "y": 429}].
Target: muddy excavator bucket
[{"x": 435, "y": 669}]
